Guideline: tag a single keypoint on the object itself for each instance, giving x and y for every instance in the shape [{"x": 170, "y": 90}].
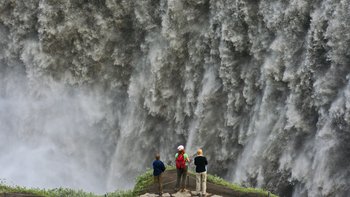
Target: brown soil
[{"x": 169, "y": 181}]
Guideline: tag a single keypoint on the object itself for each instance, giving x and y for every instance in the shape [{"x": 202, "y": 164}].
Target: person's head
[
  {"x": 157, "y": 156},
  {"x": 199, "y": 152},
  {"x": 181, "y": 149}
]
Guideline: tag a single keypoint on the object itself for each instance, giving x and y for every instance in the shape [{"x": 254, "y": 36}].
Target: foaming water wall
[{"x": 90, "y": 90}]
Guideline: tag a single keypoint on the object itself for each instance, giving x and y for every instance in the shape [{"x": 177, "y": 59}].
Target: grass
[
  {"x": 128, "y": 193},
  {"x": 146, "y": 179},
  {"x": 219, "y": 181},
  {"x": 60, "y": 192},
  {"x": 18, "y": 189},
  {"x": 143, "y": 181}
]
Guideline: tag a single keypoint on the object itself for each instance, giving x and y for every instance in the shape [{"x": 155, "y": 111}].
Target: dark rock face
[{"x": 90, "y": 90}]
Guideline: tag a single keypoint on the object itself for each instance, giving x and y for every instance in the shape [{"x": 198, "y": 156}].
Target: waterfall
[{"x": 91, "y": 90}]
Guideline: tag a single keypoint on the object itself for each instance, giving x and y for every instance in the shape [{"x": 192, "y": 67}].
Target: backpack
[{"x": 180, "y": 162}]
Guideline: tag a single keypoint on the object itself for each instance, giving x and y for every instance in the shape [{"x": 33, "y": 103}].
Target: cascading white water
[{"x": 90, "y": 90}]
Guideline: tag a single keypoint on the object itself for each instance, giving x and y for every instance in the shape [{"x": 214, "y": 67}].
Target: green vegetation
[
  {"x": 219, "y": 181},
  {"x": 18, "y": 189},
  {"x": 142, "y": 182},
  {"x": 145, "y": 180},
  {"x": 129, "y": 193},
  {"x": 60, "y": 192}
]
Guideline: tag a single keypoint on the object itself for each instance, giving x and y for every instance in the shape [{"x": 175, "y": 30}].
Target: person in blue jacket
[{"x": 158, "y": 169}]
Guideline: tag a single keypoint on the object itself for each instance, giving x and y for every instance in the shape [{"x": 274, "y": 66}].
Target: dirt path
[{"x": 169, "y": 181}]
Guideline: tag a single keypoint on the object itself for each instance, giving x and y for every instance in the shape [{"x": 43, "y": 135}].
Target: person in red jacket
[{"x": 181, "y": 160}]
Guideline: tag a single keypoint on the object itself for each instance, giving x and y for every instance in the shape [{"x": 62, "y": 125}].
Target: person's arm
[
  {"x": 154, "y": 165},
  {"x": 163, "y": 167},
  {"x": 205, "y": 161},
  {"x": 188, "y": 158},
  {"x": 195, "y": 161}
]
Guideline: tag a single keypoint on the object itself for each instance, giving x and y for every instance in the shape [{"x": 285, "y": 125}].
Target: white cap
[{"x": 180, "y": 148}]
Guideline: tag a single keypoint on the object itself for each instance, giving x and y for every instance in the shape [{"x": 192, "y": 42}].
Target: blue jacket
[{"x": 158, "y": 167}]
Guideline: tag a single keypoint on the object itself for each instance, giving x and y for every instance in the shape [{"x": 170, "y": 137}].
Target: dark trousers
[
  {"x": 158, "y": 179},
  {"x": 181, "y": 178}
]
